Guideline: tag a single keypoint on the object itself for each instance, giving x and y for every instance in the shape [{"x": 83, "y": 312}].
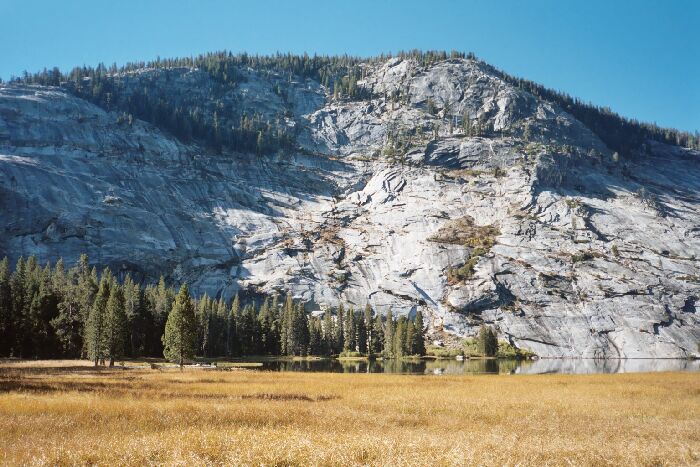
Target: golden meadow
[{"x": 67, "y": 413}]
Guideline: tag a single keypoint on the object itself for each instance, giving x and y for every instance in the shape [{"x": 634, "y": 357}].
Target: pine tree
[
  {"x": 162, "y": 304},
  {"x": 268, "y": 327},
  {"x": 419, "y": 347},
  {"x": 116, "y": 324},
  {"x": 65, "y": 326},
  {"x": 389, "y": 336},
  {"x": 299, "y": 342},
  {"x": 276, "y": 320},
  {"x": 18, "y": 285},
  {"x": 179, "y": 338},
  {"x": 286, "y": 322},
  {"x": 220, "y": 314},
  {"x": 6, "y": 318},
  {"x": 248, "y": 330},
  {"x": 244, "y": 329},
  {"x": 339, "y": 329},
  {"x": 87, "y": 290},
  {"x": 151, "y": 346},
  {"x": 377, "y": 341},
  {"x": 361, "y": 333},
  {"x": 328, "y": 332},
  {"x": 59, "y": 278},
  {"x": 27, "y": 307},
  {"x": 410, "y": 344},
  {"x": 487, "y": 342},
  {"x": 135, "y": 316},
  {"x": 400, "y": 337},
  {"x": 349, "y": 329},
  {"x": 43, "y": 308},
  {"x": 60, "y": 285},
  {"x": 95, "y": 330},
  {"x": 203, "y": 318},
  {"x": 276, "y": 324},
  {"x": 68, "y": 324},
  {"x": 87, "y": 286},
  {"x": 316, "y": 345},
  {"x": 367, "y": 347},
  {"x": 232, "y": 343}
]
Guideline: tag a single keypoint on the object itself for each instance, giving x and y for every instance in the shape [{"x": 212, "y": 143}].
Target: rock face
[{"x": 536, "y": 229}]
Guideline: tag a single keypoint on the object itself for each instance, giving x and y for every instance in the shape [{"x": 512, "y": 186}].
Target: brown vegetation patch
[
  {"x": 464, "y": 231},
  {"x": 330, "y": 235},
  {"x": 463, "y": 174},
  {"x": 289, "y": 397}
]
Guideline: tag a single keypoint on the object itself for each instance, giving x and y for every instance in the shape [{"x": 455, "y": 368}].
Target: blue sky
[{"x": 641, "y": 58}]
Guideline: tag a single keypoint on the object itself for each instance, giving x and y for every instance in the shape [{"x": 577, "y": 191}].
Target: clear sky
[{"x": 639, "y": 57}]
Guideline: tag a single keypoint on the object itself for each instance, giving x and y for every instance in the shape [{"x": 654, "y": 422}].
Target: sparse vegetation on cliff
[
  {"x": 464, "y": 231},
  {"x": 340, "y": 75}
]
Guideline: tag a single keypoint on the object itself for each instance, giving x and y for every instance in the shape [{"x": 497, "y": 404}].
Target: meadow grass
[{"x": 65, "y": 413}]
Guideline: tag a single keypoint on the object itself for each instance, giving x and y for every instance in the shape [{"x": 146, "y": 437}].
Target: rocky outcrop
[{"x": 591, "y": 256}]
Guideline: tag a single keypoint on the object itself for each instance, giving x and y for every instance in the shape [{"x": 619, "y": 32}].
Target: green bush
[
  {"x": 584, "y": 256},
  {"x": 506, "y": 350},
  {"x": 470, "y": 347},
  {"x": 467, "y": 270},
  {"x": 443, "y": 352}
]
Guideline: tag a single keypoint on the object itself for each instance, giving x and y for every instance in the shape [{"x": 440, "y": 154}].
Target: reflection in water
[{"x": 478, "y": 366}]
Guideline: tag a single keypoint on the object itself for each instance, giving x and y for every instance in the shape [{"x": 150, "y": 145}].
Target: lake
[{"x": 478, "y": 367}]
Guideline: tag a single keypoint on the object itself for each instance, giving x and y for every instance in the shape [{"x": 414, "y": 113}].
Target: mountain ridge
[{"x": 444, "y": 187}]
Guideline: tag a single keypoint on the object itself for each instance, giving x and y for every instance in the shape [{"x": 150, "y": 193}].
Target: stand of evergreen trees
[{"x": 51, "y": 312}]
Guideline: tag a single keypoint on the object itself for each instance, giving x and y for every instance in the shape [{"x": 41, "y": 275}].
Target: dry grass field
[{"x": 61, "y": 413}]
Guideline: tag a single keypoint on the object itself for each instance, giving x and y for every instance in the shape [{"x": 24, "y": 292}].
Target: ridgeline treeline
[
  {"x": 51, "y": 312},
  {"x": 226, "y": 127}
]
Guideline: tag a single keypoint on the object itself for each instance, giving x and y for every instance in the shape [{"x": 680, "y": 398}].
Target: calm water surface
[{"x": 476, "y": 367}]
